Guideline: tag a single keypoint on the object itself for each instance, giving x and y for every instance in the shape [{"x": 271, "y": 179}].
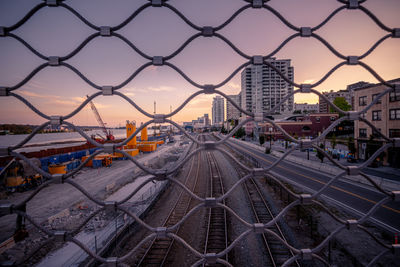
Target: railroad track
[
  {"x": 277, "y": 252},
  {"x": 217, "y": 232},
  {"x": 156, "y": 253}
]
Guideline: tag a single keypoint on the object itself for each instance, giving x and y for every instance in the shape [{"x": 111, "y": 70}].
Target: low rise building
[
  {"x": 384, "y": 115},
  {"x": 301, "y": 126},
  {"x": 306, "y": 108}
]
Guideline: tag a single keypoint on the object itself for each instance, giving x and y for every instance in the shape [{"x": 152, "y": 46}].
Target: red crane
[{"x": 108, "y": 133}]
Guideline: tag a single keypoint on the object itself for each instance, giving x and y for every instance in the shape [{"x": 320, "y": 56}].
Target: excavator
[{"x": 20, "y": 176}]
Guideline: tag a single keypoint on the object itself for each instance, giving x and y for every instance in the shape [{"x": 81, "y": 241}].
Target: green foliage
[
  {"x": 297, "y": 112},
  {"x": 341, "y": 103},
  {"x": 240, "y": 133},
  {"x": 223, "y": 130},
  {"x": 320, "y": 155},
  {"x": 16, "y": 129}
]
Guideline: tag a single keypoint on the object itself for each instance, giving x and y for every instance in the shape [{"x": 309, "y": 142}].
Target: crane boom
[{"x": 108, "y": 134}]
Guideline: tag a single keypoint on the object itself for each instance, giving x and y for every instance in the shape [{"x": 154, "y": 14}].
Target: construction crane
[{"x": 108, "y": 133}]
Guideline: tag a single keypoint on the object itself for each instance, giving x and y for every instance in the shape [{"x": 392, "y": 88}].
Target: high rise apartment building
[
  {"x": 218, "y": 113},
  {"x": 232, "y": 113},
  {"x": 263, "y": 88}
]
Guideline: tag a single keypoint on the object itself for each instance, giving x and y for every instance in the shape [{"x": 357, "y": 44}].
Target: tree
[
  {"x": 341, "y": 103},
  {"x": 297, "y": 112},
  {"x": 223, "y": 130},
  {"x": 320, "y": 155},
  {"x": 240, "y": 132}
]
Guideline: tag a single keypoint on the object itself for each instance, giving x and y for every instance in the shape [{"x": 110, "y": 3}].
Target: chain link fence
[{"x": 167, "y": 174}]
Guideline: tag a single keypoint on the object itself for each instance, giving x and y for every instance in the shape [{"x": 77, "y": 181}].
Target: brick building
[
  {"x": 310, "y": 125},
  {"x": 384, "y": 115}
]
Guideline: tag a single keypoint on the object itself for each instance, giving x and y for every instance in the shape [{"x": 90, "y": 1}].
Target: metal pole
[
  {"x": 308, "y": 154},
  {"x": 270, "y": 141}
]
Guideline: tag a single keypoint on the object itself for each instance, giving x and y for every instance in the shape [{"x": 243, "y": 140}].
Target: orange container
[
  {"x": 89, "y": 163},
  {"x": 58, "y": 169}
]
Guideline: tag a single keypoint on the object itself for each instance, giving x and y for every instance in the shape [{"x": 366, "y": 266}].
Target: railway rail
[
  {"x": 217, "y": 231},
  {"x": 156, "y": 253},
  {"x": 277, "y": 252}
]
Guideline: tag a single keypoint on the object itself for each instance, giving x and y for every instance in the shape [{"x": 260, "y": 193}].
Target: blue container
[
  {"x": 69, "y": 166},
  {"x": 54, "y": 159},
  {"x": 80, "y": 154},
  {"x": 44, "y": 162},
  {"x": 77, "y": 163},
  {"x": 74, "y": 155},
  {"x": 97, "y": 163},
  {"x": 63, "y": 158}
]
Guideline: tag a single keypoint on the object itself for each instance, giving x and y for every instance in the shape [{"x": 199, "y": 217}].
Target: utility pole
[
  {"x": 155, "y": 125},
  {"x": 170, "y": 111}
]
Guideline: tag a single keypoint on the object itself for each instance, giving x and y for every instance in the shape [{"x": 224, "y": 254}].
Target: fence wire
[{"x": 167, "y": 174}]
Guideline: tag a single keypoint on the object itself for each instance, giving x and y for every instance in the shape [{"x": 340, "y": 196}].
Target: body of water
[{"x": 48, "y": 138}]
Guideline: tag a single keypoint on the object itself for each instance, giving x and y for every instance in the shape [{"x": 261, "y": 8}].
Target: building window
[
  {"x": 363, "y": 115},
  {"x": 379, "y": 100},
  {"x": 333, "y": 118},
  {"x": 394, "y": 114},
  {"x": 394, "y": 133},
  {"x": 317, "y": 119},
  {"x": 394, "y": 96},
  {"x": 306, "y": 128},
  {"x": 376, "y": 115},
  {"x": 363, "y": 132},
  {"x": 362, "y": 101}
]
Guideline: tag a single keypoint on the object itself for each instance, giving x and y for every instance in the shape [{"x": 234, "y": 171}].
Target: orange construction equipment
[
  {"x": 106, "y": 160},
  {"x": 143, "y": 136},
  {"x": 147, "y": 147},
  {"x": 130, "y": 129}
]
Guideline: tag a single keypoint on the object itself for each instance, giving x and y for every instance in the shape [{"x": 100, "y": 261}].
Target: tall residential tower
[
  {"x": 263, "y": 88},
  {"x": 218, "y": 113}
]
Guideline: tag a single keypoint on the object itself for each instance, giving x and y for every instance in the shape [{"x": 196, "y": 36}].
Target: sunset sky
[{"x": 159, "y": 32}]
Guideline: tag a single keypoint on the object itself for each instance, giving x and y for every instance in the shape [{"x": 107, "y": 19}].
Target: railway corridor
[{"x": 208, "y": 230}]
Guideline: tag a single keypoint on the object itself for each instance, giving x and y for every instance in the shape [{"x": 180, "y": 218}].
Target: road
[
  {"x": 356, "y": 199},
  {"x": 383, "y": 172}
]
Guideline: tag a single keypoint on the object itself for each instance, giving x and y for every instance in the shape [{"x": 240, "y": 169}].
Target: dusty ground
[{"x": 61, "y": 206}]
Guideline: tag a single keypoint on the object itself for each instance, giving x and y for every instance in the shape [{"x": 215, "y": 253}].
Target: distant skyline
[{"x": 159, "y": 32}]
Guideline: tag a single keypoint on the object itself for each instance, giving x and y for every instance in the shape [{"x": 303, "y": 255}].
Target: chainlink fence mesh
[{"x": 167, "y": 174}]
